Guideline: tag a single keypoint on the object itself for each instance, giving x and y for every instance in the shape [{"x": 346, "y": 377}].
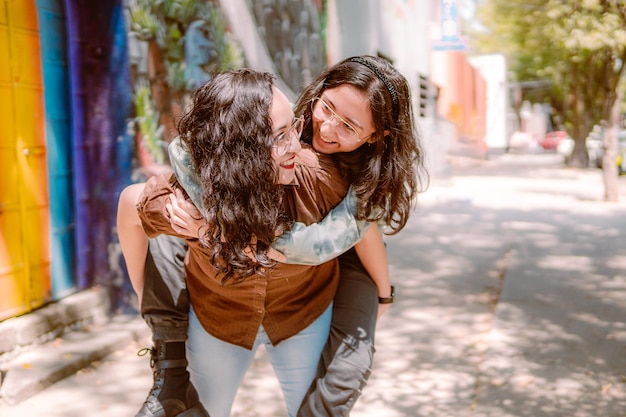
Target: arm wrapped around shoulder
[
  {"x": 323, "y": 241},
  {"x": 185, "y": 171}
]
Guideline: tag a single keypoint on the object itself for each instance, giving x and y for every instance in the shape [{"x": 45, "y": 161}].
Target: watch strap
[{"x": 390, "y": 299}]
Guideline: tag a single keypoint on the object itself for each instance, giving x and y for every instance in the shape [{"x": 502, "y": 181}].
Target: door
[{"x": 24, "y": 241}]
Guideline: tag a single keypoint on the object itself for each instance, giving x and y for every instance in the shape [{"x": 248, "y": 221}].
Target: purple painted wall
[{"x": 101, "y": 104}]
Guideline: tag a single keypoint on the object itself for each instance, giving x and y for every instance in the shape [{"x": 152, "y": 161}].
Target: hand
[
  {"x": 276, "y": 255},
  {"x": 271, "y": 253},
  {"x": 185, "y": 218},
  {"x": 382, "y": 309}
]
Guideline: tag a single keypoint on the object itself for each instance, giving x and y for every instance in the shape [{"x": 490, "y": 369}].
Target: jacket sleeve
[
  {"x": 306, "y": 245},
  {"x": 185, "y": 171},
  {"x": 151, "y": 206},
  {"x": 319, "y": 242}
]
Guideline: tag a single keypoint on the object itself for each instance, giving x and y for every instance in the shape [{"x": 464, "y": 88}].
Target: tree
[
  {"x": 578, "y": 45},
  {"x": 163, "y": 25}
]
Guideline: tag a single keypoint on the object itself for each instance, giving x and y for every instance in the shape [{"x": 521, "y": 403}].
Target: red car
[{"x": 552, "y": 139}]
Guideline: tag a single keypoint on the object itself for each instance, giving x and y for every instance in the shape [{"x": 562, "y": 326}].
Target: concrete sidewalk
[
  {"x": 511, "y": 301},
  {"x": 56, "y": 341},
  {"x": 515, "y": 271}
]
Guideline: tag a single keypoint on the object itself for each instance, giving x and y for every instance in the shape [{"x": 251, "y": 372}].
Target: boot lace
[{"x": 153, "y": 355}]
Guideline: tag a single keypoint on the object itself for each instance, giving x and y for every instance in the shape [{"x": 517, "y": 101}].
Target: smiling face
[
  {"x": 341, "y": 109},
  {"x": 282, "y": 120}
]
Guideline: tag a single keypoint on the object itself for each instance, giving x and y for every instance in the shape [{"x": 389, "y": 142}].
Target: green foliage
[
  {"x": 232, "y": 55},
  {"x": 147, "y": 122},
  {"x": 175, "y": 76},
  {"x": 228, "y": 50},
  {"x": 144, "y": 24},
  {"x": 578, "y": 45},
  {"x": 165, "y": 22},
  {"x": 163, "y": 25}
]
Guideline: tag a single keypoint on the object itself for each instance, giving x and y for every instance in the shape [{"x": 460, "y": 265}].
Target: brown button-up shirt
[{"x": 289, "y": 297}]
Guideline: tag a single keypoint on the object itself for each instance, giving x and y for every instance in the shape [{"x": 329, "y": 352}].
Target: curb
[
  {"x": 53, "y": 320},
  {"x": 49, "y": 344}
]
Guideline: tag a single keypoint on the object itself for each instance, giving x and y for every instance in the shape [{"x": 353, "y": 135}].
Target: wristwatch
[{"x": 388, "y": 300}]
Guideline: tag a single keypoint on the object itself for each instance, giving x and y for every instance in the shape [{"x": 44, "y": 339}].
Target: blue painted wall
[{"x": 52, "y": 27}]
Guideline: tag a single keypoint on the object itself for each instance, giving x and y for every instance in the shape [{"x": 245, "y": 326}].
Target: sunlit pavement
[{"x": 511, "y": 301}]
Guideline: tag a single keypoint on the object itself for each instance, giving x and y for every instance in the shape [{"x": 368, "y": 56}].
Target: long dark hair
[
  {"x": 388, "y": 173},
  {"x": 228, "y": 132}
]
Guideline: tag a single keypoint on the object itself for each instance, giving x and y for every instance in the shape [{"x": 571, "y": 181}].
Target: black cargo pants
[{"x": 346, "y": 361}]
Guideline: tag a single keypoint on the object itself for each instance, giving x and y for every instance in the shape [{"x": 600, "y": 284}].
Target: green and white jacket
[{"x": 306, "y": 245}]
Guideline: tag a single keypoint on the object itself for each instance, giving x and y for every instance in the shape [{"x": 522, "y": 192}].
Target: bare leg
[
  {"x": 158, "y": 278},
  {"x": 133, "y": 240}
]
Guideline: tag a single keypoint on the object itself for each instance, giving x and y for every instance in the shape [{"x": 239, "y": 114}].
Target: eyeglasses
[
  {"x": 283, "y": 141},
  {"x": 322, "y": 111}
]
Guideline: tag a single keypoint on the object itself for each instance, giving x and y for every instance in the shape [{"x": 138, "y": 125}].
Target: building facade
[{"x": 70, "y": 107}]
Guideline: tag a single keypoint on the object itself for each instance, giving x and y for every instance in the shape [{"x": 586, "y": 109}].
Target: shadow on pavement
[{"x": 512, "y": 299}]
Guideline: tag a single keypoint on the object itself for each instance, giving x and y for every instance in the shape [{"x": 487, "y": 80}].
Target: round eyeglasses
[
  {"x": 283, "y": 141},
  {"x": 322, "y": 111}
]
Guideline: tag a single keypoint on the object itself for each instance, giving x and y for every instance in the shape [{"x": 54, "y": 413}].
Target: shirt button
[{"x": 262, "y": 270}]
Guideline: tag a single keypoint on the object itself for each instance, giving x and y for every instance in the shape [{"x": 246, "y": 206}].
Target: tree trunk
[
  {"x": 160, "y": 90},
  {"x": 579, "y": 157},
  {"x": 609, "y": 167}
]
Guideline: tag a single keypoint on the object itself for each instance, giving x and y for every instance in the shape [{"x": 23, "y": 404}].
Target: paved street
[{"x": 511, "y": 302}]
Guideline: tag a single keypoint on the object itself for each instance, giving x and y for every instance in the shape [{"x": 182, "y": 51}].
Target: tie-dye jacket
[{"x": 307, "y": 245}]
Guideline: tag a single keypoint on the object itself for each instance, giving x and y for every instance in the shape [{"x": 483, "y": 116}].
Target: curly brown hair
[
  {"x": 388, "y": 173},
  {"x": 228, "y": 131}
]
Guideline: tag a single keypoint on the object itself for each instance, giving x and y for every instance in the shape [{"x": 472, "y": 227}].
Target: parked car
[
  {"x": 521, "y": 141},
  {"x": 552, "y": 139}
]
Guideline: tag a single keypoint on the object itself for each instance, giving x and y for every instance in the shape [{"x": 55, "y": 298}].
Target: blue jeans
[
  {"x": 217, "y": 367},
  {"x": 347, "y": 358}
]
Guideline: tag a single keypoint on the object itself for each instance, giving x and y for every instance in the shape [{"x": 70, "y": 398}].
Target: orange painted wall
[{"x": 462, "y": 93}]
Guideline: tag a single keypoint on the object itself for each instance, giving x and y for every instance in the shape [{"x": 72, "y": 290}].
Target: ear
[{"x": 374, "y": 138}]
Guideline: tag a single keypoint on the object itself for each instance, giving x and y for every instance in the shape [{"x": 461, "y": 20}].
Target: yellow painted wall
[{"x": 24, "y": 251}]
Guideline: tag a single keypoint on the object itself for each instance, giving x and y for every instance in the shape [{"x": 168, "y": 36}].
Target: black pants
[
  {"x": 165, "y": 304},
  {"x": 346, "y": 361}
]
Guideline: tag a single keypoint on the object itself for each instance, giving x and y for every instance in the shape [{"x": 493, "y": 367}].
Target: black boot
[{"x": 172, "y": 394}]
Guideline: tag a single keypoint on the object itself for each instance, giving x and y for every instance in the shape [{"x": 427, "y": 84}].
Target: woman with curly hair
[
  {"x": 256, "y": 181},
  {"x": 359, "y": 113}
]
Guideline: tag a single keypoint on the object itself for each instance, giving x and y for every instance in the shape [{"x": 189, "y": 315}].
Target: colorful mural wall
[
  {"x": 58, "y": 135},
  {"x": 89, "y": 98},
  {"x": 62, "y": 150},
  {"x": 101, "y": 104},
  {"x": 462, "y": 95},
  {"x": 24, "y": 201}
]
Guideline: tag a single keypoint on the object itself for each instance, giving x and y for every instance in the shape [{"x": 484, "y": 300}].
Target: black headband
[{"x": 383, "y": 78}]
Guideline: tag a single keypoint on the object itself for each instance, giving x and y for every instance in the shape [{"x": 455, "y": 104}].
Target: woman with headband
[{"x": 359, "y": 112}]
